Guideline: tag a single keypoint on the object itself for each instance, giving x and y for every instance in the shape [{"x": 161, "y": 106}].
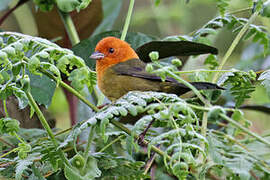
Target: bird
[{"x": 120, "y": 70}]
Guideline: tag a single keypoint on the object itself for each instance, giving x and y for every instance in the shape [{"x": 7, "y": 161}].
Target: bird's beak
[{"x": 97, "y": 55}]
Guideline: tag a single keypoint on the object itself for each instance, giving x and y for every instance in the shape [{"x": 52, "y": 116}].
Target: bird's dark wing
[
  {"x": 136, "y": 68},
  {"x": 173, "y": 48}
]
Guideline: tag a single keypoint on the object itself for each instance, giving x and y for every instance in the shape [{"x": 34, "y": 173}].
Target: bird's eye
[{"x": 111, "y": 50}]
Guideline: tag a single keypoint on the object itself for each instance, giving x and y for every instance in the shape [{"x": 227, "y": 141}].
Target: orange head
[{"x": 110, "y": 51}]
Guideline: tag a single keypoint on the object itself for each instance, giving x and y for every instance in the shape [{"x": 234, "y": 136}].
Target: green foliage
[
  {"x": 44, "y": 5},
  {"x": 233, "y": 157},
  {"x": 9, "y": 125},
  {"x": 70, "y": 5},
  {"x": 235, "y": 24},
  {"x": 265, "y": 81},
  {"x": 23, "y": 165},
  {"x": 179, "y": 142},
  {"x": 222, "y": 6},
  {"x": 266, "y": 9},
  {"x": 241, "y": 84},
  {"x": 83, "y": 170},
  {"x": 120, "y": 167},
  {"x": 64, "y": 5},
  {"x": 20, "y": 53}
]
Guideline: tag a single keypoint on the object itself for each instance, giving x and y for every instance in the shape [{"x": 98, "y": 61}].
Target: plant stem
[
  {"x": 70, "y": 27},
  {"x": 123, "y": 128},
  {"x": 259, "y": 138},
  {"x": 45, "y": 125},
  {"x": 111, "y": 143},
  {"x": 203, "y": 132},
  {"x": 206, "y": 108},
  {"x": 149, "y": 164},
  {"x": 241, "y": 10},
  {"x": 5, "y": 142},
  {"x": 198, "y": 94},
  {"x": 234, "y": 44},
  {"x": 5, "y": 107},
  {"x": 201, "y": 70},
  {"x": 70, "y": 89},
  {"x": 13, "y": 150},
  {"x": 90, "y": 138},
  {"x": 127, "y": 22},
  {"x": 18, "y": 137}
]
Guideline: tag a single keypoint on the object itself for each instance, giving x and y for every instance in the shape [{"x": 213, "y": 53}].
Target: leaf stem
[
  {"x": 128, "y": 131},
  {"x": 111, "y": 143},
  {"x": 5, "y": 142},
  {"x": 45, "y": 125},
  {"x": 9, "y": 152},
  {"x": 259, "y": 138},
  {"x": 203, "y": 132},
  {"x": 18, "y": 137},
  {"x": 70, "y": 27},
  {"x": 202, "y": 70},
  {"x": 5, "y": 107},
  {"x": 234, "y": 44},
  {"x": 198, "y": 94},
  {"x": 127, "y": 22},
  {"x": 90, "y": 138},
  {"x": 70, "y": 89}
]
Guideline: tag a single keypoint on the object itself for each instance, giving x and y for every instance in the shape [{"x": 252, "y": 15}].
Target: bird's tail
[
  {"x": 206, "y": 85},
  {"x": 180, "y": 89}
]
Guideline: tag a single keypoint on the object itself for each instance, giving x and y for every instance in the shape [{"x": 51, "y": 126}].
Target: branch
[
  {"x": 4, "y": 17},
  {"x": 70, "y": 27},
  {"x": 70, "y": 89},
  {"x": 234, "y": 44},
  {"x": 127, "y": 22},
  {"x": 45, "y": 125}
]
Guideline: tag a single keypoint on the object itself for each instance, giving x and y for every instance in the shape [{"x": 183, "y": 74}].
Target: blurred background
[{"x": 174, "y": 17}]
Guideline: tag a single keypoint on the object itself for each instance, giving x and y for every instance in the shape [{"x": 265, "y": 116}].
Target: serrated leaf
[{"x": 22, "y": 165}]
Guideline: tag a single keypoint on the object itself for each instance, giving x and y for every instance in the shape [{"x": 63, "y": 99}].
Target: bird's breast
[{"x": 113, "y": 85}]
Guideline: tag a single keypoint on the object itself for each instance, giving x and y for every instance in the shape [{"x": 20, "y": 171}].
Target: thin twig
[
  {"x": 45, "y": 125},
  {"x": 111, "y": 143},
  {"x": 70, "y": 89},
  {"x": 7, "y": 143},
  {"x": 70, "y": 27},
  {"x": 234, "y": 44},
  {"x": 4, "y": 17},
  {"x": 127, "y": 22}
]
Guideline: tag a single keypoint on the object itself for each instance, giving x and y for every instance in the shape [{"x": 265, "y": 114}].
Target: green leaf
[
  {"x": 42, "y": 89},
  {"x": 70, "y": 5},
  {"x": 266, "y": 9},
  {"x": 45, "y": 5},
  {"x": 241, "y": 85},
  {"x": 265, "y": 78},
  {"x": 222, "y": 6},
  {"x": 120, "y": 167},
  {"x": 22, "y": 165},
  {"x": 39, "y": 54},
  {"x": 211, "y": 61},
  {"x": 9, "y": 125}
]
